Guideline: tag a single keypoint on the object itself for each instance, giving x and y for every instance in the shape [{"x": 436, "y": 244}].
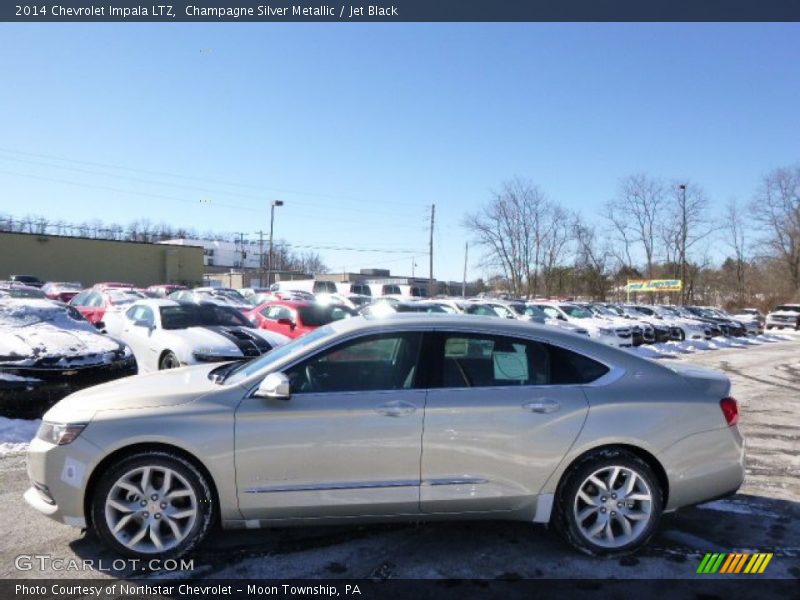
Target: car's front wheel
[
  {"x": 168, "y": 361},
  {"x": 153, "y": 505},
  {"x": 609, "y": 503}
]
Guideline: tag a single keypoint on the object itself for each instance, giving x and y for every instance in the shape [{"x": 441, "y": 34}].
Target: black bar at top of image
[{"x": 399, "y": 10}]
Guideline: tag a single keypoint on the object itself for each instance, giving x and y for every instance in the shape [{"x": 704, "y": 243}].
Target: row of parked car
[{"x": 58, "y": 337}]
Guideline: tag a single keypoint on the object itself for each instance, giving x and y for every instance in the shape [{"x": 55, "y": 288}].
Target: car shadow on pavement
[{"x": 485, "y": 549}]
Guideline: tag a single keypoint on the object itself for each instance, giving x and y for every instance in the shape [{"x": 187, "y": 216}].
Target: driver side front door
[{"x": 347, "y": 443}]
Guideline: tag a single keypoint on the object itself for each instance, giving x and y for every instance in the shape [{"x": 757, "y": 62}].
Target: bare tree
[
  {"x": 636, "y": 214},
  {"x": 592, "y": 258},
  {"x": 734, "y": 237},
  {"x": 776, "y": 207},
  {"x": 522, "y": 234},
  {"x": 686, "y": 213}
]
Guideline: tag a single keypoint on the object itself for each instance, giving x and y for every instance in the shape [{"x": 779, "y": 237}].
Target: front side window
[
  {"x": 375, "y": 363},
  {"x": 478, "y": 360}
]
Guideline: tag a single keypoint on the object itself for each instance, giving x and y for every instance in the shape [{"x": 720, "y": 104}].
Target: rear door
[{"x": 499, "y": 417}]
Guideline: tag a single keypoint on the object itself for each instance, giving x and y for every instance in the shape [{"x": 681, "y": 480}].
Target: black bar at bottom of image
[{"x": 742, "y": 588}]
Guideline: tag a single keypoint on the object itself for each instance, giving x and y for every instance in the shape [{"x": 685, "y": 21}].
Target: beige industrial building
[{"x": 89, "y": 261}]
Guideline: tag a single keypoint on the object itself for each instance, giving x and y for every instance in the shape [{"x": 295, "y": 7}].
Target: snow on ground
[
  {"x": 675, "y": 349},
  {"x": 16, "y": 434}
]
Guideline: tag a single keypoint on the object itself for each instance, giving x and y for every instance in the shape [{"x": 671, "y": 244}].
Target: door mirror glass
[
  {"x": 275, "y": 386},
  {"x": 286, "y": 321},
  {"x": 100, "y": 325}
]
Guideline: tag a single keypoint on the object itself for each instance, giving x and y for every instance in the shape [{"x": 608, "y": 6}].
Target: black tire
[
  {"x": 564, "y": 517},
  {"x": 168, "y": 360},
  {"x": 206, "y": 506}
]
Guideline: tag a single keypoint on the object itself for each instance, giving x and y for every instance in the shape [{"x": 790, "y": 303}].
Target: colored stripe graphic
[
  {"x": 741, "y": 562},
  {"x": 764, "y": 564},
  {"x": 734, "y": 562}
]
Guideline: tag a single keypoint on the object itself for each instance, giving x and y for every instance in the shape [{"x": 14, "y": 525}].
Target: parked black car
[
  {"x": 48, "y": 351},
  {"x": 28, "y": 280},
  {"x": 727, "y": 326}
]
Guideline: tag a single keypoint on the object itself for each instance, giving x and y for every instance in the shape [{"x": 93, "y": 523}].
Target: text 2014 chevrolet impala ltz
[{"x": 408, "y": 417}]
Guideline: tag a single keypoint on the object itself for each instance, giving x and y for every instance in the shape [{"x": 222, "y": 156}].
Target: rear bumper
[{"x": 704, "y": 466}]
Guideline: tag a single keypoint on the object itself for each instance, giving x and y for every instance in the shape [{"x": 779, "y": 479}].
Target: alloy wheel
[
  {"x": 613, "y": 507},
  {"x": 151, "y": 509}
]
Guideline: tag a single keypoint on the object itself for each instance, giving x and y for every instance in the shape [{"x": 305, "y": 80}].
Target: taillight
[{"x": 730, "y": 409}]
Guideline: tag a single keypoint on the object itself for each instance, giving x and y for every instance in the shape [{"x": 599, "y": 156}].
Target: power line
[
  {"x": 186, "y": 177},
  {"x": 205, "y": 191}
]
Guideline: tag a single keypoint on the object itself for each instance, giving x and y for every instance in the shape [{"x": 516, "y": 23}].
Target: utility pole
[
  {"x": 684, "y": 235},
  {"x": 271, "y": 227},
  {"x": 430, "y": 252},
  {"x": 242, "y": 253},
  {"x": 464, "y": 282},
  {"x": 261, "y": 256}
]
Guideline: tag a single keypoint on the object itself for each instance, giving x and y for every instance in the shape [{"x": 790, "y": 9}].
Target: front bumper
[
  {"x": 64, "y": 472},
  {"x": 39, "y": 389}
]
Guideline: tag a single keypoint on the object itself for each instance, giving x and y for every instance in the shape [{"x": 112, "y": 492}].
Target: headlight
[
  {"x": 128, "y": 353},
  {"x": 604, "y": 331},
  {"x": 59, "y": 433}
]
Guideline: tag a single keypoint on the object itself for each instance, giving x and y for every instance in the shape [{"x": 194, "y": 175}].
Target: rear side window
[{"x": 477, "y": 360}]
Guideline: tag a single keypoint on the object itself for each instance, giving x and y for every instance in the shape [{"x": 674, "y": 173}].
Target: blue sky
[{"x": 360, "y": 127}]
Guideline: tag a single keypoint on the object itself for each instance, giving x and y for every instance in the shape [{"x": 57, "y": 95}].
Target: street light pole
[
  {"x": 271, "y": 228},
  {"x": 683, "y": 243}
]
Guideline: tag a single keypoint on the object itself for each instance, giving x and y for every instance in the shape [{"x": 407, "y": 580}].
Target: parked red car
[
  {"x": 94, "y": 303},
  {"x": 61, "y": 291},
  {"x": 294, "y": 318}
]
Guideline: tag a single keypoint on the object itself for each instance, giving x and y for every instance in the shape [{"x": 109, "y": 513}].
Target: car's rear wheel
[
  {"x": 153, "y": 504},
  {"x": 168, "y": 361},
  {"x": 609, "y": 503}
]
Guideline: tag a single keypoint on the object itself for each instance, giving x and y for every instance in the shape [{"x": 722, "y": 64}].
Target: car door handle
[
  {"x": 543, "y": 406},
  {"x": 397, "y": 408}
]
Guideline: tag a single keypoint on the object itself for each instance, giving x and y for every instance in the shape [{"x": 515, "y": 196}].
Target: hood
[
  {"x": 163, "y": 388},
  {"x": 709, "y": 380},
  {"x": 61, "y": 347},
  {"x": 784, "y": 313}
]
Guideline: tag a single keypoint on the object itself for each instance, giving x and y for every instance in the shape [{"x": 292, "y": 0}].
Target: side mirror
[
  {"x": 288, "y": 322},
  {"x": 274, "y": 386},
  {"x": 100, "y": 325}
]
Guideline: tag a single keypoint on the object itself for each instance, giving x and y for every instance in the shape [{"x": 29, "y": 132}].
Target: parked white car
[
  {"x": 165, "y": 334},
  {"x": 605, "y": 331},
  {"x": 222, "y": 296},
  {"x": 785, "y": 315}
]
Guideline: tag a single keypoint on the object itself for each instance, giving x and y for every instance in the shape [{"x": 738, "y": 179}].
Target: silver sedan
[{"x": 407, "y": 417}]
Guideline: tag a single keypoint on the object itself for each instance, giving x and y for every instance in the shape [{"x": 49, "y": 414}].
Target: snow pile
[
  {"x": 35, "y": 329},
  {"x": 16, "y": 434}
]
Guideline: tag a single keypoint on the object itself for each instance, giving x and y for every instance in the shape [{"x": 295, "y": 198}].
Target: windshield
[
  {"x": 789, "y": 307},
  {"x": 200, "y": 315},
  {"x": 126, "y": 297},
  {"x": 316, "y": 316},
  {"x": 600, "y": 309},
  {"x": 426, "y": 308},
  {"x": 576, "y": 312},
  {"x": 532, "y": 311},
  {"x": 242, "y": 371}
]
